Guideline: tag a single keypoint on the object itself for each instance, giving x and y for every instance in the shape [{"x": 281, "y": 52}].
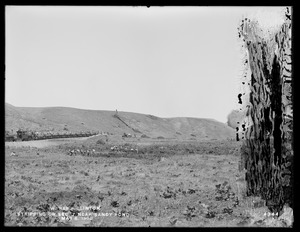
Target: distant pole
[{"x": 116, "y": 112}]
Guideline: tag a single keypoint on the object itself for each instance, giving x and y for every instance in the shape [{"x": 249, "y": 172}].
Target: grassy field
[{"x": 159, "y": 183}]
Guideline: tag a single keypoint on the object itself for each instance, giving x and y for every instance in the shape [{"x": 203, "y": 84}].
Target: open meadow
[{"x": 112, "y": 181}]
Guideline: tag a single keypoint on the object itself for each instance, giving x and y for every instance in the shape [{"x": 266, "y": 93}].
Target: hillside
[{"x": 59, "y": 119}]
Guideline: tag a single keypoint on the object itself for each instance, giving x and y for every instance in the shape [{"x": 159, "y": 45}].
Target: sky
[{"x": 164, "y": 61}]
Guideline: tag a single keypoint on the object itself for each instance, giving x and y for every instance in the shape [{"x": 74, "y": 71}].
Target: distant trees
[{"x": 235, "y": 118}]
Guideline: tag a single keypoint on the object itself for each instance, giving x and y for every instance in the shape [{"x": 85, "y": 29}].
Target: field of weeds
[{"x": 131, "y": 183}]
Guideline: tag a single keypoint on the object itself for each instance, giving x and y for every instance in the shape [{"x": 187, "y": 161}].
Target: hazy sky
[{"x": 165, "y": 61}]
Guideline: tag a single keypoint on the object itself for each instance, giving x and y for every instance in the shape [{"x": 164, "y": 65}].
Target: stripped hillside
[{"x": 59, "y": 119}]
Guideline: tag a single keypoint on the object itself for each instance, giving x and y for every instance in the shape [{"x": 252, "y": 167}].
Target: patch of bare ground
[{"x": 174, "y": 184}]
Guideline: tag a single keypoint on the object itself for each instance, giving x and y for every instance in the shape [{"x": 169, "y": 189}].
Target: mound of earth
[{"x": 60, "y": 119}]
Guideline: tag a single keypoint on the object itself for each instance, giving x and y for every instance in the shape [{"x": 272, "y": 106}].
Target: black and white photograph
[{"x": 148, "y": 116}]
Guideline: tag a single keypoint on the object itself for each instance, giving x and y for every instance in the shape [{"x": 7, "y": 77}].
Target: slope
[{"x": 59, "y": 119}]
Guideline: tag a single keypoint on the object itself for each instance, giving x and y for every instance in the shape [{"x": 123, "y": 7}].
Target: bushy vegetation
[
  {"x": 235, "y": 118},
  {"x": 100, "y": 142}
]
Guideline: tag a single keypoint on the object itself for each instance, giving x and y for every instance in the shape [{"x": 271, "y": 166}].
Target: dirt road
[{"x": 45, "y": 143}]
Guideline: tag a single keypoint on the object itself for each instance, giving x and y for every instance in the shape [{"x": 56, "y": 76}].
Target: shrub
[{"x": 100, "y": 142}]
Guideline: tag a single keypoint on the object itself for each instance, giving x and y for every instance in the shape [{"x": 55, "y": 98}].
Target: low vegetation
[{"x": 130, "y": 183}]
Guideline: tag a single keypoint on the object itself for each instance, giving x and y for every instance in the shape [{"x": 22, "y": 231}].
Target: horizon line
[{"x": 112, "y": 111}]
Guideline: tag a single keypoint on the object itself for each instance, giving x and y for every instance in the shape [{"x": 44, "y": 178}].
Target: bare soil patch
[{"x": 43, "y": 143}]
